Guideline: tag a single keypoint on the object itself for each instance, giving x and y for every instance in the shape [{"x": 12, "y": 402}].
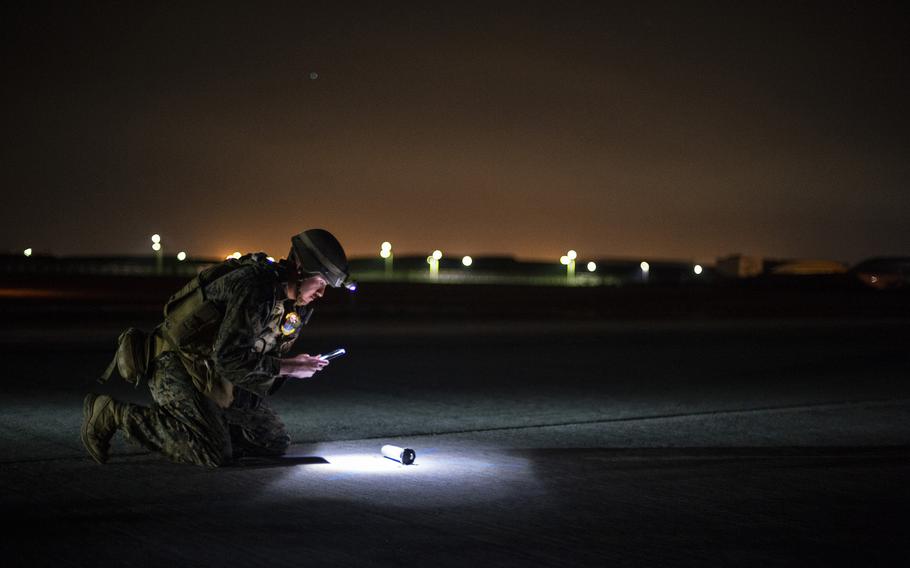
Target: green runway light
[
  {"x": 569, "y": 261},
  {"x": 433, "y": 261}
]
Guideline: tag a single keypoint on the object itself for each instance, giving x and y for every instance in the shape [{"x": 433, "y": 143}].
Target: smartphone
[{"x": 333, "y": 354}]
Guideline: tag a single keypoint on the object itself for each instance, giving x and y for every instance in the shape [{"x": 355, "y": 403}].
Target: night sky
[{"x": 635, "y": 129}]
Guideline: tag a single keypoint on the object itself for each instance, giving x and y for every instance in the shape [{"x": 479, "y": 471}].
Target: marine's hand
[{"x": 302, "y": 366}]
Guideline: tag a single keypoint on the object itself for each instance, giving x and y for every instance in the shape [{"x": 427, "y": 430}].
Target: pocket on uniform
[
  {"x": 133, "y": 355},
  {"x": 199, "y": 327}
]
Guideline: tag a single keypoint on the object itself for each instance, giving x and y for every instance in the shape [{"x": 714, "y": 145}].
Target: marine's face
[{"x": 309, "y": 289}]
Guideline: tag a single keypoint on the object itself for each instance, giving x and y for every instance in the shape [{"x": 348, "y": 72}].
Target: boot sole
[{"x": 88, "y": 407}]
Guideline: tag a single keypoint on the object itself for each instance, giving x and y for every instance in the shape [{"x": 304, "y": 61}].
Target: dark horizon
[{"x": 652, "y": 131}]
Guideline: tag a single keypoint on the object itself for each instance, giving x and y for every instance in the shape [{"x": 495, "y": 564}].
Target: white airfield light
[
  {"x": 181, "y": 256},
  {"x": 437, "y": 254},
  {"x": 592, "y": 267},
  {"x": 27, "y": 252},
  {"x": 645, "y": 266},
  {"x": 156, "y": 238},
  {"x": 697, "y": 269},
  {"x": 156, "y": 247},
  {"x": 572, "y": 255},
  {"x": 467, "y": 261},
  {"x": 564, "y": 260},
  {"x": 386, "y": 253}
]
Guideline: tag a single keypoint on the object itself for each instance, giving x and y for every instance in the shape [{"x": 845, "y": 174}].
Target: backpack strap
[{"x": 109, "y": 371}]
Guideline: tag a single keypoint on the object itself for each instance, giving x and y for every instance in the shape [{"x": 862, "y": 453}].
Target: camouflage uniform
[{"x": 188, "y": 427}]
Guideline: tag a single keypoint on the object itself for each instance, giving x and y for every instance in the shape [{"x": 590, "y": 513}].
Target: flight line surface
[{"x": 748, "y": 444}]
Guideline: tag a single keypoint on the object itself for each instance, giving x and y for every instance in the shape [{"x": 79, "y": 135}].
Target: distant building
[
  {"x": 807, "y": 267},
  {"x": 740, "y": 266},
  {"x": 18, "y": 264}
]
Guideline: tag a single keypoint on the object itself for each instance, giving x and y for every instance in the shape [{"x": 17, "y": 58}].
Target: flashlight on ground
[{"x": 402, "y": 455}]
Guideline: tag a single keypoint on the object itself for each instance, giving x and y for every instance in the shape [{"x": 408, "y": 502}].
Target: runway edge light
[{"x": 396, "y": 453}]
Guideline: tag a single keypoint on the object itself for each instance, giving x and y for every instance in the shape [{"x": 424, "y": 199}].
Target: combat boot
[{"x": 100, "y": 421}]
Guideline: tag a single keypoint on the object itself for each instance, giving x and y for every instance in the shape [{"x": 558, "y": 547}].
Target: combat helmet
[{"x": 319, "y": 252}]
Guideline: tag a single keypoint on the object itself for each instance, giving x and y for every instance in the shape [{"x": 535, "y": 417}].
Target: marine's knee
[
  {"x": 212, "y": 458},
  {"x": 272, "y": 446},
  {"x": 204, "y": 451},
  {"x": 280, "y": 445}
]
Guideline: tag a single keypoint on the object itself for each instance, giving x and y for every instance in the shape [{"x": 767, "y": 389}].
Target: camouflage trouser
[{"x": 187, "y": 427}]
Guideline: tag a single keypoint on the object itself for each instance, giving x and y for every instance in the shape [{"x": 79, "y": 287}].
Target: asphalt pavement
[{"x": 772, "y": 442}]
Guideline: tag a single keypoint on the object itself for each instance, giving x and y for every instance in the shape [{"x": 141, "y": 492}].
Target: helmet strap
[{"x": 293, "y": 268}]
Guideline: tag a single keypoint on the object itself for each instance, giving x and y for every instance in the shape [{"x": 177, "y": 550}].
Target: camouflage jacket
[{"x": 259, "y": 326}]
